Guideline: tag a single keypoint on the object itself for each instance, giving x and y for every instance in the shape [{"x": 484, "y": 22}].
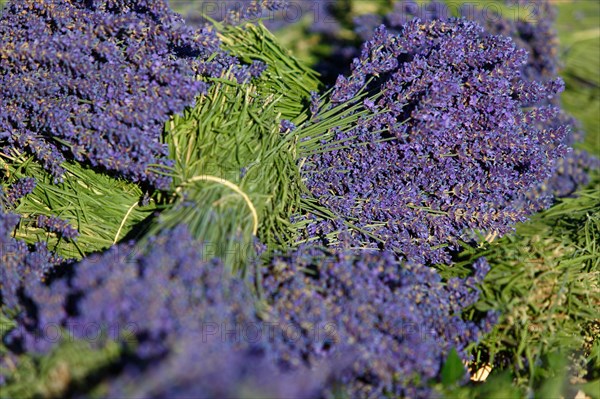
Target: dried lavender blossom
[
  {"x": 455, "y": 140},
  {"x": 97, "y": 80}
]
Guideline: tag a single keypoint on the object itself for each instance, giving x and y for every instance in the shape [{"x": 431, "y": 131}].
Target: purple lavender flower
[
  {"x": 58, "y": 226},
  {"x": 536, "y": 34},
  {"x": 572, "y": 171},
  {"x": 286, "y": 126},
  {"x": 402, "y": 12},
  {"x": 455, "y": 140},
  {"x": 212, "y": 368},
  {"x": 357, "y": 320},
  {"x": 315, "y": 100},
  {"x": 154, "y": 296},
  {"x": 178, "y": 308},
  {"x": 18, "y": 190},
  {"x": 274, "y": 14}
]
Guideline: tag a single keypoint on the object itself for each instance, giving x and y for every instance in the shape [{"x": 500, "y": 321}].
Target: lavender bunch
[
  {"x": 97, "y": 80},
  {"x": 152, "y": 297},
  {"x": 535, "y": 34},
  {"x": 399, "y": 320},
  {"x": 401, "y": 13},
  {"x": 215, "y": 368},
  {"x": 450, "y": 140}
]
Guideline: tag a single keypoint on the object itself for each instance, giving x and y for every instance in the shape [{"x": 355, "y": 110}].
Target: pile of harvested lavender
[{"x": 196, "y": 204}]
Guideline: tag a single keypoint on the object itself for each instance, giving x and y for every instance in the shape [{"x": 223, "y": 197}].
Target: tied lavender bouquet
[
  {"x": 449, "y": 142},
  {"x": 87, "y": 89}
]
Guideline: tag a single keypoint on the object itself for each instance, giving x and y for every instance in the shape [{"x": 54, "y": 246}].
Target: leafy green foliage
[
  {"x": 6, "y": 324},
  {"x": 453, "y": 370},
  {"x": 234, "y": 176},
  {"x": 230, "y": 152},
  {"x": 591, "y": 389},
  {"x": 550, "y": 382},
  {"x": 287, "y": 78}
]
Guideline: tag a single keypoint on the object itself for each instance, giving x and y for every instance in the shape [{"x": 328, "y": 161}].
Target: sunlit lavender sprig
[
  {"x": 454, "y": 140},
  {"x": 57, "y": 225}
]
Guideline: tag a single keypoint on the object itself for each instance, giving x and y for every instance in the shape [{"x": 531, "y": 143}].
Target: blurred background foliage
[{"x": 578, "y": 25}]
